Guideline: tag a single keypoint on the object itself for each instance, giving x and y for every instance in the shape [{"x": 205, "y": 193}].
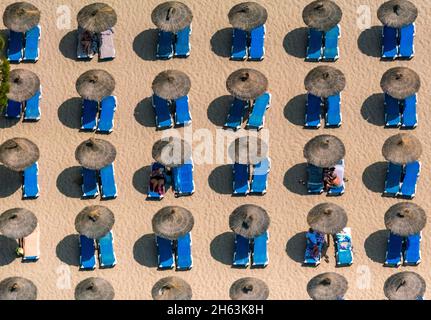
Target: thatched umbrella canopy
[
  {"x": 21, "y": 16},
  {"x": 171, "y": 152},
  {"x": 249, "y": 221},
  {"x": 249, "y": 289},
  {"x": 172, "y": 16},
  {"x": 405, "y": 219},
  {"x": 247, "y": 16},
  {"x": 23, "y": 84},
  {"x": 246, "y": 84},
  {"x": 402, "y": 148},
  {"x": 94, "y": 288},
  {"x": 327, "y": 218},
  {"x": 322, "y": 15},
  {"x": 172, "y": 222},
  {"x": 405, "y": 285},
  {"x": 95, "y": 154},
  {"x": 397, "y": 13},
  {"x": 171, "y": 288},
  {"x": 17, "y": 288},
  {"x": 17, "y": 223},
  {"x": 248, "y": 150},
  {"x": 327, "y": 286},
  {"x": 18, "y": 153},
  {"x": 97, "y": 17},
  {"x": 400, "y": 82},
  {"x": 94, "y": 221},
  {"x": 95, "y": 84},
  {"x": 171, "y": 84},
  {"x": 325, "y": 81},
  {"x": 324, "y": 151}
]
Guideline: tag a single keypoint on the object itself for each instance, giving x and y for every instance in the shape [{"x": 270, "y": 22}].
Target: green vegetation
[{"x": 4, "y": 74}]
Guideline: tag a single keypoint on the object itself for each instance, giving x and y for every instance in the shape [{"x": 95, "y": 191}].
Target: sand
[{"x": 57, "y": 135}]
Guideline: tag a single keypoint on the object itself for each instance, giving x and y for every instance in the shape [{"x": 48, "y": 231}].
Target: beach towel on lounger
[
  {"x": 343, "y": 244},
  {"x": 106, "y": 45}
]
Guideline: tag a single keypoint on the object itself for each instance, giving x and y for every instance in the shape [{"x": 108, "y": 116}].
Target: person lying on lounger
[
  {"x": 330, "y": 179},
  {"x": 157, "y": 181}
]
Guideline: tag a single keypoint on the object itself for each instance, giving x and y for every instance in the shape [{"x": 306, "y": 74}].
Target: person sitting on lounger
[
  {"x": 157, "y": 181},
  {"x": 330, "y": 179}
]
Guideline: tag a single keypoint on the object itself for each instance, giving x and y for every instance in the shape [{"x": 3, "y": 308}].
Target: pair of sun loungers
[
  {"x": 24, "y": 46},
  {"x": 174, "y": 45},
  {"x": 31, "y": 108},
  {"x": 323, "y": 46},
  {"x": 315, "y": 183},
  {"x": 401, "y": 112},
  {"x": 103, "y": 43},
  {"x": 255, "y": 250},
  {"x": 398, "y": 43},
  {"x": 313, "y": 110},
  {"x": 105, "y": 247},
  {"x": 402, "y": 181},
  {"x": 90, "y": 110},
  {"x": 407, "y": 249},
  {"x": 90, "y": 183},
  {"x": 179, "y": 253},
  {"x": 163, "y": 114},
  {"x": 256, "y": 118},
  {"x": 251, "y": 45},
  {"x": 259, "y": 179},
  {"x": 31, "y": 246}
]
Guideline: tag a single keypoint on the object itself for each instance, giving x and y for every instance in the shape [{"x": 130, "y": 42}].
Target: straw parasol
[
  {"x": 95, "y": 154},
  {"x": 397, "y": 13},
  {"x": 17, "y": 288},
  {"x": 405, "y": 219},
  {"x": 97, "y": 17},
  {"x": 322, "y": 15},
  {"x": 94, "y": 221},
  {"x": 405, "y": 285},
  {"x": 247, "y": 16},
  {"x": 402, "y": 148},
  {"x": 172, "y": 222},
  {"x": 171, "y": 288},
  {"x": 172, "y": 16},
  {"x": 327, "y": 286},
  {"x": 327, "y": 218},
  {"x": 18, "y": 153},
  {"x": 171, "y": 84},
  {"x": 246, "y": 84},
  {"x": 248, "y": 150},
  {"x": 21, "y": 16},
  {"x": 94, "y": 288},
  {"x": 400, "y": 82},
  {"x": 23, "y": 84},
  {"x": 249, "y": 221},
  {"x": 95, "y": 84},
  {"x": 249, "y": 289},
  {"x": 325, "y": 81},
  {"x": 324, "y": 151},
  {"x": 171, "y": 152},
  {"x": 17, "y": 223}
]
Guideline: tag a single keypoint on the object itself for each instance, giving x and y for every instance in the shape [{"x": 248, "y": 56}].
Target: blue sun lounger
[
  {"x": 241, "y": 254},
  {"x": 182, "y": 44},
  {"x": 390, "y": 43},
  {"x": 162, "y": 112},
  {"x": 241, "y": 174},
  {"x": 183, "y": 182},
  {"x": 31, "y": 50},
  {"x": 411, "y": 176},
  {"x": 339, "y": 170},
  {"x": 412, "y": 252},
  {"x": 331, "y": 50},
  {"x": 184, "y": 252},
  {"x": 13, "y": 109},
  {"x": 236, "y": 114},
  {"x": 393, "y": 179},
  {"x": 239, "y": 44},
  {"x": 32, "y": 107},
  {"x": 333, "y": 111},
  {"x": 394, "y": 251},
  {"x": 257, "y": 43},
  {"x": 165, "y": 254},
  {"x": 165, "y": 48},
  {"x": 256, "y": 119},
  {"x": 392, "y": 112},
  {"x": 15, "y": 46},
  {"x": 154, "y": 194},
  {"x": 314, "y": 47},
  {"x": 407, "y": 48},
  {"x": 409, "y": 115},
  {"x": 343, "y": 244},
  {"x": 314, "y": 179},
  {"x": 259, "y": 179},
  {"x": 90, "y": 188},
  {"x": 106, "y": 119},
  {"x": 89, "y": 115},
  {"x": 312, "y": 111},
  {"x": 107, "y": 182},
  {"x": 313, "y": 239},
  {"x": 182, "y": 112},
  {"x": 260, "y": 250},
  {"x": 87, "y": 257},
  {"x": 30, "y": 187},
  {"x": 107, "y": 257}
]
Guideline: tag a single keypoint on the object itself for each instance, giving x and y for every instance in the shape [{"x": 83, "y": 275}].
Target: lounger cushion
[
  {"x": 331, "y": 51},
  {"x": 89, "y": 115},
  {"x": 390, "y": 43},
  {"x": 87, "y": 253},
  {"x": 256, "y": 118},
  {"x": 241, "y": 173},
  {"x": 107, "y": 257},
  {"x": 182, "y": 112},
  {"x": 314, "y": 48},
  {"x": 314, "y": 179},
  {"x": 312, "y": 111},
  {"x": 412, "y": 253},
  {"x": 392, "y": 111},
  {"x": 406, "y": 49},
  {"x": 107, "y": 178},
  {"x": 241, "y": 256},
  {"x": 165, "y": 48},
  {"x": 31, "y": 50},
  {"x": 236, "y": 114},
  {"x": 257, "y": 40},
  {"x": 32, "y": 107},
  {"x": 162, "y": 112},
  {"x": 333, "y": 113},
  {"x": 393, "y": 179},
  {"x": 90, "y": 188},
  {"x": 165, "y": 254},
  {"x": 394, "y": 250},
  {"x": 30, "y": 186},
  {"x": 409, "y": 115},
  {"x": 182, "y": 44},
  {"x": 239, "y": 44},
  {"x": 13, "y": 109},
  {"x": 184, "y": 252},
  {"x": 411, "y": 175},
  {"x": 15, "y": 46},
  {"x": 106, "y": 120},
  {"x": 259, "y": 179},
  {"x": 260, "y": 250}
]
